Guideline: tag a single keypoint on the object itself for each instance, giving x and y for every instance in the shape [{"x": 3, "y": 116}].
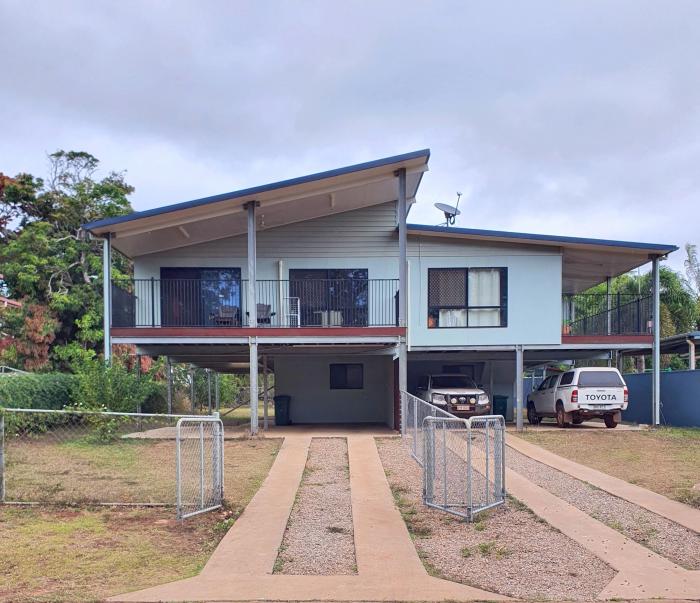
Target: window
[
  {"x": 567, "y": 378},
  {"x": 546, "y": 384},
  {"x": 599, "y": 379},
  {"x": 457, "y": 381},
  {"x": 467, "y": 297},
  {"x": 347, "y": 376}
]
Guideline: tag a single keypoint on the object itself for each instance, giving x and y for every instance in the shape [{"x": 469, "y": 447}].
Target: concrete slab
[{"x": 389, "y": 568}]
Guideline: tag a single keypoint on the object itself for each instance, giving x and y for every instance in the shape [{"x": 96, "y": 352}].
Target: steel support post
[
  {"x": 266, "y": 396},
  {"x": 192, "y": 388},
  {"x": 169, "y": 375},
  {"x": 209, "y": 390},
  {"x": 691, "y": 354},
  {"x": 403, "y": 288},
  {"x": 251, "y": 297},
  {"x": 107, "y": 295},
  {"x": 608, "y": 303},
  {"x": 656, "y": 347},
  {"x": 217, "y": 391},
  {"x": 254, "y": 394},
  {"x": 519, "y": 364}
]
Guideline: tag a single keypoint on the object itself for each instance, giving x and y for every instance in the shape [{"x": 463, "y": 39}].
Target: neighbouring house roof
[
  {"x": 678, "y": 344},
  {"x": 284, "y": 202},
  {"x": 585, "y": 261}
]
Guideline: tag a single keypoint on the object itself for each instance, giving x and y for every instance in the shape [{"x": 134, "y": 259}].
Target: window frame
[
  {"x": 346, "y": 386},
  {"x": 503, "y": 307}
]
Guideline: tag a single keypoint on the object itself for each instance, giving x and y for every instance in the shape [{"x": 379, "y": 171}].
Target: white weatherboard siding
[
  {"x": 534, "y": 292},
  {"x": 307, "y": 380}
]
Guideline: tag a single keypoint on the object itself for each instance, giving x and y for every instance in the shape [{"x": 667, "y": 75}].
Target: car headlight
[
  {"x": 453, "y": 400},
  {"x": 462, "y": 399},
  {"x": 483, "y": 399},
  {"x": 439, "y": 399}
]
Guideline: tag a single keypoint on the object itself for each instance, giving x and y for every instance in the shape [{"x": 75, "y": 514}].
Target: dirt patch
[
  {"x": 657, "y": 533},
  {"x": 68, "y": 554},
  {"x": 319, "y": 535},
  {"x": 508, "y": 550},
  {"x": 674, "y": 454}
]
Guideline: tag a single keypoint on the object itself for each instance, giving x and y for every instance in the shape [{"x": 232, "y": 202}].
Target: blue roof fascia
[
  {"x": 260, "y": 189},
  {"x": 540, "y": 237}
]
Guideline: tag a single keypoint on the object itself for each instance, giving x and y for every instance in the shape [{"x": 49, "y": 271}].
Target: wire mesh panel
[
  {"x": 200, "y": 462},
  {"x": 80, "y": 457},
  {"x": 414, "y": 411},
  {"x": 463, "y": 469}
]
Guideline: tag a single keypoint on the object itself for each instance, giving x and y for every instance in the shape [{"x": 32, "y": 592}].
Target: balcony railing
[
  {"x": 602, "y": 314},
  {"x": 280, "y": 303}
]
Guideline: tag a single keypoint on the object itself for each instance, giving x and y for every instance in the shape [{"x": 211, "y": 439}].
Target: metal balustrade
[
  {"x": 603, "y": 314},
  {"x": 280, "y": 303}
]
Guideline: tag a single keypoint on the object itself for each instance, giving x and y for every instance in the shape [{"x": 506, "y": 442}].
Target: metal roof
[
  {"x": 377, "y": 163},
  {"x": 540, "y": 238}
]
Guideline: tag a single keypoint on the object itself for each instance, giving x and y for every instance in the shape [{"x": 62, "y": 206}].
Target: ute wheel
[
  {"x": 610, "y": 421},
  {"x": 532, "y": 417},
  {"x": 577, "y": 420},
  {"x": 561, "y": 416}
]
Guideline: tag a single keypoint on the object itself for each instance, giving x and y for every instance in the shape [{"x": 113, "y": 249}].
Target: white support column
[
  {"x": 266, "y": 397},
  {"x": 169, "y": 375},
  {"x": 107, "y": 295},
  {"x": 656, "y": 347},
  {"x": 217, "y": 391},
  {"x": 209, "y": 390},
  {"x": 519, "y": 369},
  {"x": 254, "y": 393},
  {"x": 252, "y": 297},
  {"x": 691, "y": 354},
  {"x": 403, "y": 281},
  {"x": 608, "y": 303}
]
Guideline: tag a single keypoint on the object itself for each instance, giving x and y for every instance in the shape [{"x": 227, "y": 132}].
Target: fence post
[
  {"x": 178, "y": 469},
  {"x": 201, "y": 464},
  {"x": 428, "y": 461}
]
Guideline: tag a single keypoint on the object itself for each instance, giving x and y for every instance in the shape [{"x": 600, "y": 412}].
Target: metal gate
[
  {"x": 200, "y": 465},
  {"x": 463, "y": 464}
]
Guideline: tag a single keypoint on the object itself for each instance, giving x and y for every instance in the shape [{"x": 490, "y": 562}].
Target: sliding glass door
[
  {"x": 331, "y": 298},
  {"x": 199, "y": 297}
]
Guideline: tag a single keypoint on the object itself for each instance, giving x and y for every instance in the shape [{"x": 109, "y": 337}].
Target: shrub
[{"x": 51, "y": 391}]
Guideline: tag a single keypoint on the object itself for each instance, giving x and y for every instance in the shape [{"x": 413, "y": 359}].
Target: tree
[{"x": 47, "y": 260}]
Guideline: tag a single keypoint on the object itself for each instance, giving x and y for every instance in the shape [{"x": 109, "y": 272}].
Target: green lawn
[
  {"x": 665, "y": 460},
  {"x": 86, "y": 554}
]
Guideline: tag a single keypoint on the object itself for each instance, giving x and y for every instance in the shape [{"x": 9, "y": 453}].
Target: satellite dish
[{"x": 450, "y": 212}]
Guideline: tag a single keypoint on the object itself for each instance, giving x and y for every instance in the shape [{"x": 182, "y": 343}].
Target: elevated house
[{"x": 324, "y": 280}]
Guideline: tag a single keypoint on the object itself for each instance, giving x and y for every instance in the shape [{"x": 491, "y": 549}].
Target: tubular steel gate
[
  {"x": 200, "y": 465},
  {"x": 463, "y": 460}
]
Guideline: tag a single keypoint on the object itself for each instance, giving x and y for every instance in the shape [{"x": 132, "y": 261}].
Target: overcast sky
[{"x": 561, "y": 117}]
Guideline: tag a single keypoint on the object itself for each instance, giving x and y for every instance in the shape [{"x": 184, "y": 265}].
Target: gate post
[{"x": 2, "y": 456}]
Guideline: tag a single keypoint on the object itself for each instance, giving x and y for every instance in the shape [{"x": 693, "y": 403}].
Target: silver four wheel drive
[{"x": 455, "y": 393}]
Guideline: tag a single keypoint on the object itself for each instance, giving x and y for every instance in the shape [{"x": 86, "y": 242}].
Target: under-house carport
[
  {"x": 326, "y": 384},
  {"x": 495, "y": 370}
]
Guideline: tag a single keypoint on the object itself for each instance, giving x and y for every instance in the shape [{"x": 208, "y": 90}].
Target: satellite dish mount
[{"x": 449, "y": 211}]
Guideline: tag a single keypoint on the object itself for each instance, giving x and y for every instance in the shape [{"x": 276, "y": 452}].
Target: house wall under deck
[{"x": 307, "y": 380}]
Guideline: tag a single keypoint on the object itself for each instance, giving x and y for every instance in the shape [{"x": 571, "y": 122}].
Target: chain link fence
[
  {"x": 415, "y": 412},
  {"x": 74, "y": 457},
  {"x": 463, "y": 460},
  {"x": 200, "y": 462}
]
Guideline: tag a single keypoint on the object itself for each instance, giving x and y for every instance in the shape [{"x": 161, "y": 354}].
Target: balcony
[
  {"x": 587, "y": 314},
  {"x": 319, "y": 303}
]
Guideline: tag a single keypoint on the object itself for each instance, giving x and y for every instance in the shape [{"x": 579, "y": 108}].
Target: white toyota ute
[{"x": 580, "y": 394}]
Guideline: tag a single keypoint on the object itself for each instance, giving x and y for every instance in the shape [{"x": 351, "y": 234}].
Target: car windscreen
[
  {"x": 599, "y": 379},
  {"x": 461, "y": 381}
]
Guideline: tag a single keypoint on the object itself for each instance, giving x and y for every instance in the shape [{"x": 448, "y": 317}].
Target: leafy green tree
[{"x": 47, "y": 260}]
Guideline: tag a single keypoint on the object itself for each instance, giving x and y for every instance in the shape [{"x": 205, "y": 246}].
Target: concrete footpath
[{"x": 388, "y": 565}]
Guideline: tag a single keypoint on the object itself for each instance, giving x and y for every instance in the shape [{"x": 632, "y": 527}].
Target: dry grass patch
[
  {"x": 665, "y": 460},
  {"x": 508, "y": 550},
  {"x": 68, "y": 554}
]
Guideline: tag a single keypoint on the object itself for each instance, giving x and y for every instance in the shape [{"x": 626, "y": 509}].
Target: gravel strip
[
  {"x": 668, "y": 539},
  {"x": 319, "y": 536},
  {"x": 508, "y": 550}
]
